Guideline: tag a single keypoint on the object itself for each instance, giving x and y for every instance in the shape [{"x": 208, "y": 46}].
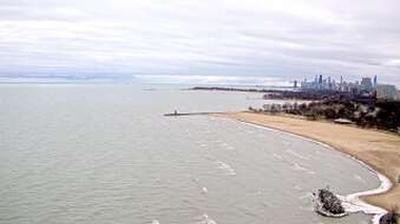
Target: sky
[{"x": 256, "y": 40}]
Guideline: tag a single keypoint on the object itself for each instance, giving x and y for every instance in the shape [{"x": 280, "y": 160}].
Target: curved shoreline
[{"x": 352, "y": 202}]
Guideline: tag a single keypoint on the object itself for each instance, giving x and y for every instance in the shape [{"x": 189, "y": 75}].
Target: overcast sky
[{"x": 253, "y": 38}]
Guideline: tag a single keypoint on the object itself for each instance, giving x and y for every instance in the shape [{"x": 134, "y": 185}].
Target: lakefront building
[{"x": 387, "y": 92}]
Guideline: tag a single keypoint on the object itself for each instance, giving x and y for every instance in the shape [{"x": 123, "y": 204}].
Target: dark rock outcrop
[
  {"x": 328, "y": 204},
  {"x": 389, "y": 218}
]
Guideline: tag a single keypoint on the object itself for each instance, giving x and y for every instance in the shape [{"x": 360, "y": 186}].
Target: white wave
[
  {"x": 352, "y": 202},
  {"x": 226, "y": 168},
  {"x": 311, "y": 172},
  {"x": 296, "y": 154},
  {"x": 299, "y": 167},
  {"x": 197, "y": 182},
  {"x": 205, "y": 219},
  {"x": 155, "y": 221},
  {"x": 279, "y": 157}
]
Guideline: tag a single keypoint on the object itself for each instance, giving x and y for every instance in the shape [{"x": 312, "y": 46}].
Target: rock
[
  {"x": 389, "y": 218},
  {"x": 328, "y": 204}
]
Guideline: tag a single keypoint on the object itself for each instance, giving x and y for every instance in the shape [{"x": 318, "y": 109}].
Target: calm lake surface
[{"x": 105, "y": 154}]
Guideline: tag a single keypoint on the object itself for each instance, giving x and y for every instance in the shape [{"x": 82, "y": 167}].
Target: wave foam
[
  {"x": 351, "y": 202},
  {"x": 205, "y": 219},
  {"x": 298, "y": 167},
  {"x": 296, "y": 154},
  {"x": 226, "y": 168},
  {"x": 279, "y": 157}
]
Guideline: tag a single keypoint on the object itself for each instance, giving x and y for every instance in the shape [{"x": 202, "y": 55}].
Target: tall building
[
  {"x": 387, "y": 92},
  {"x": 375, "y": 81},
  {"x": 330, "y": 83},
  {"x": 366, "y": 84}
]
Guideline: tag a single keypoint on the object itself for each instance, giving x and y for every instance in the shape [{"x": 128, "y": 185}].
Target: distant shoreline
[{"x": 377, "y": 150}]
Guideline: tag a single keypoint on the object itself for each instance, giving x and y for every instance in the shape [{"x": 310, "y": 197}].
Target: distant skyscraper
[
  {"x": 387, "y": 92},
  {"x": 375, "y": 81},
  {"x": 341, "y": 88},
  {"x": 329, "y": 83},
  {"x": 366, "y": 84}
]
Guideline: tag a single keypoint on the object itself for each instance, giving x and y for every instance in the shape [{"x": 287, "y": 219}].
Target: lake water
[{"x": 105, "y": 154}]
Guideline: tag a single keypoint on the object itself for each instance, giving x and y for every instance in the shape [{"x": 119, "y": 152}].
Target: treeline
[{"x": 374, "y": 114}]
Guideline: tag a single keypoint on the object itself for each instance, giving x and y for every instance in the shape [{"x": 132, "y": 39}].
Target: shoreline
[
  {"x": 353, "y": 202},
  {"x": 356, "y": 202}
]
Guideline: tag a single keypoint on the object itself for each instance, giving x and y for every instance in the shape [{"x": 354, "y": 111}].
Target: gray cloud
[{"x": 279, "y": 39}]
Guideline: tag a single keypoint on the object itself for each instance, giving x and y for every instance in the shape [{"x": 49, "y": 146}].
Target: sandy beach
[{"x": 380, "y": 150}]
